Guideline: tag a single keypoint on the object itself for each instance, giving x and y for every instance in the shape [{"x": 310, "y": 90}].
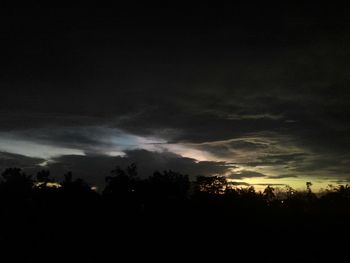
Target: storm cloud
[
  {"x": 94, "y": 168},
  {"x": 214, "y": 91}
]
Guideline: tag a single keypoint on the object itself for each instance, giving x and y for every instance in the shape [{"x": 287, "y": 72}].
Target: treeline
[
  {"x": 41, "y": 214},
  {"x": 127, "y": 190}
]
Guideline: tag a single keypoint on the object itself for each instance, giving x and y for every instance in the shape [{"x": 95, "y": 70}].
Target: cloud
[
  {"x": 278, "y": 159},
  {"x": 246, "y": 174},
  {"x": 94, "y": 168},
  {"x": 30, "y": 164},
  {"x": 239, "y": 183},
  {"x": 282, "y": 176},
  {"x": 277, "y": 103},
  {"x": 232, "y": 147},
  {"x": 75, "y": 140},
  {"x": 31, "y": 148}
]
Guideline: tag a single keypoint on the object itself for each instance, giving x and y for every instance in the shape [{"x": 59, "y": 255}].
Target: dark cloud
[
  {"x": 279, "y": 159},
  {"x": 246, "y": 174},
  {"x": 29, "y": 164},
  {"x": 210, "y": 77},
  {"x": 232, "y": 147},
  {"x": 89, "y": 139},
  {"x": 238, "y": 183},
  {"x": 94, "y": 168},
  {"x": 283, "y": 176},
  {"x": 13, "y": 160}
]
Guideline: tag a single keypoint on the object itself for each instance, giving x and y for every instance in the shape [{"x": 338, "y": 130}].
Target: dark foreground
[{"x": 167, "y": 218}]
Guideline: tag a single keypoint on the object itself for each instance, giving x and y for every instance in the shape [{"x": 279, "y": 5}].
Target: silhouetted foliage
[
  {"x": 77, "y": 187},
  {"x": 169, "y": 185},
  {"x": 121, "y": 183},
  {"x": 214, "y": 185},
  {"x": 164, "y": 205},
  {"x": 269, "y": 193},
  {"x": 16, "y": 183}
]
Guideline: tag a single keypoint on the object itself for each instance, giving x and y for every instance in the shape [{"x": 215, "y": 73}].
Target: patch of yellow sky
[{"x": 298, "y": 182}]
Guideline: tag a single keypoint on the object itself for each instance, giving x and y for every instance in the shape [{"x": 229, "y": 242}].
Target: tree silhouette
[
  {"x": 169, "y": 185},
  {"x": 165, "y": 205},
  {"x": 77, "y": 187},
  {"x": 121, "y": 183},
  {"x": 269, "y": 193},
  {"x": 16, "y": 183},
  {"x": 308, "y": 187},
  {"x": 214, "y": 185}
]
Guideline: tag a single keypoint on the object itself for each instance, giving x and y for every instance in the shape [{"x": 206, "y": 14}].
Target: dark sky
[{"x": 258, "y": 93}]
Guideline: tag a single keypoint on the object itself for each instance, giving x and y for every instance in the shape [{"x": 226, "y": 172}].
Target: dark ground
[{"x": 157, "y": 220}]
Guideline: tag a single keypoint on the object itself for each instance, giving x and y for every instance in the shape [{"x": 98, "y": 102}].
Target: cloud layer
[{"x": 246, "y": 95}]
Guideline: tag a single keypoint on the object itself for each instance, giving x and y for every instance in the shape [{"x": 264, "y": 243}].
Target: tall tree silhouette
[
  {"x": 75, "y": 187},
  {"x": 210, "y": 185},
  {"x": 121, "y": 183},
  {"x": 169, "y": 185},
  {"x": 121, "y": 190},
  {"x": 16, "y": 183},
  {"x": 269, "y": 193},
  {"x": 308, "y": 187}
]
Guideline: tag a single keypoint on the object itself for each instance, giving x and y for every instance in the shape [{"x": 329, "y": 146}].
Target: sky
[{"x": 254, "y": 92}]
